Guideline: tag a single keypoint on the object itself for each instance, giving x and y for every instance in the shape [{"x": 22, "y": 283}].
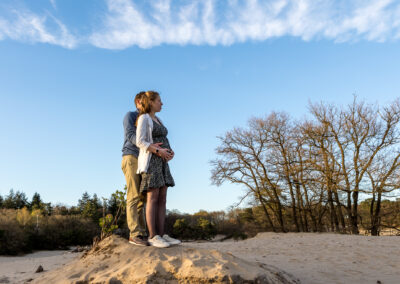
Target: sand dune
[
  {"x": 117, "y": 261},
  {"x": 322, "y": 258},
  {"x": 311, "y": 258},
  {"x": 19, "y": 269}
]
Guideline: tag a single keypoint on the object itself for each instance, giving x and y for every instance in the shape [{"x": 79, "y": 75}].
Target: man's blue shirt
[{"x": 130, "y": 147}]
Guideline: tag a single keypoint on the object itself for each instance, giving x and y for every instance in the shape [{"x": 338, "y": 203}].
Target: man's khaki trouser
[{"x": 134, "y": 199}]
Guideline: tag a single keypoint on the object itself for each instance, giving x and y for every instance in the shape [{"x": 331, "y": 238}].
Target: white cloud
[
  {"x": 375, "y": 21},
  {"x": 214, "y": 22},
  {"x": 210, "y": 22},
  {"x": 53, "y": 3},
  {"x": 2, "y": 24},
  {"x": 29, "y": 27}
]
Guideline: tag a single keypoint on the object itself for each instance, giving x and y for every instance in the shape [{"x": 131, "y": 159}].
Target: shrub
[
  {"x": 23, "y": 216},
  {"x": 203, "y": 230},
  {"x": 12, "y": 236},
  {"x": 206, "y": 229},
  {"x": 107, "y": 225},
  {"x": 58, "y": 232},
  {"x": 18, "y": 234},
  {"x": 182, "y": 230}
]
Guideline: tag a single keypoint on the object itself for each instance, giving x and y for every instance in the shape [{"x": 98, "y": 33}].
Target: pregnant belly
[{"x": 164, "y": 142}]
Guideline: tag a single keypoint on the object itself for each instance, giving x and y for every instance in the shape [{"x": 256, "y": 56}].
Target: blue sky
[{"x": 69, "y": 71}]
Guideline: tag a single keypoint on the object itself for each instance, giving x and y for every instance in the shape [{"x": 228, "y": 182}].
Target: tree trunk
[
  {"x": 348, "y": 208},
  {"x": 300, "y": 206},
  {"x": 354, "y": 213},
  {"x": 375, "y": 220},
  {"x": 334, "y": 219},
  {"x": 294, "y": 213},
  {"x": 340, "y": 213},
  {"x": 266, "y": 213},
  {"x": 279, "y": 210},
  {"x": 309, "y": 209},
  {"x": 320, "y": 212}
]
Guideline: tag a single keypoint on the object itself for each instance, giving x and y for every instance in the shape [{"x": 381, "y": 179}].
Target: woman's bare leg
[
  {"x": 162, "y": 201},
  {"x": 151, "y": 210}
]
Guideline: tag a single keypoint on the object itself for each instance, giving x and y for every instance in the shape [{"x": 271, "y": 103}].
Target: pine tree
[
  {"x": 37, "y": 202},
  {"x": 9, "y": 200},
  {"x": 90, "y": 207},
  {"x": 21, "y": 200},
  {"x": 83, "y": 201},
  {"x": 15, "y": 200}
]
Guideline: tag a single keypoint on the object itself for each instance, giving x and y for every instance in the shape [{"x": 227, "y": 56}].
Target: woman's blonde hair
[{"x": 145, "y": 102}]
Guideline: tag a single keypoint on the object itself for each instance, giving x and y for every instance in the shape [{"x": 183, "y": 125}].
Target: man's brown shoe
[{"x": 139, "y": 241}]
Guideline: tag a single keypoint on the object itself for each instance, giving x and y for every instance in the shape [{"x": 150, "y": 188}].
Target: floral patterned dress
[{"x": 158, "y": 173}]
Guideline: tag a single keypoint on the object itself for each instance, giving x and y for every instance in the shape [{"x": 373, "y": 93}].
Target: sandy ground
[
  {"x": 321, "y": 258},
  {"x": 19, "y": 269},
  {"x": 114, "y": 260},
  {"x": 311, "y": 258}
]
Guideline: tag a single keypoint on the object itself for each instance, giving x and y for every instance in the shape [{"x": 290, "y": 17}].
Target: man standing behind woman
[
  {"x": 136, "y": 197},
  {"x": 135, "y": 201},
  {"x": 154, "y": 155}
]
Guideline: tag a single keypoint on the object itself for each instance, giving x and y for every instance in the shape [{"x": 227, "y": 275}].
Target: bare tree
[
  {"x": 279, "y": 130},
  {"x": 244, "y": 158},
  {"x": 321, "y": 151},
  {"x": 384, "y": 172},
  {"x": 312, "y": 173},
  {"x": 311, "y": 199},
  {"x": 361, "y": 133}
]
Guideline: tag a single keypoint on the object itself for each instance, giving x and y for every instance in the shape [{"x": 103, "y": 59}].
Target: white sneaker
[
  {"x": 158, "y": 242},
  {"x": 170, "y": 240}
]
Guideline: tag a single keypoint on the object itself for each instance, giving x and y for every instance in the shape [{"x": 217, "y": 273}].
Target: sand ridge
[
  {"x": 117, "y": 261},
  {"x": 20, "y": 269},
  {"x": 313, "y": 258},
  {"x": 326, "y": 258}
]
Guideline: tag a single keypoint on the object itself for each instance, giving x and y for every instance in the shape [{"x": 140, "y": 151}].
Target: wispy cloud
[
  {"x": 212, "y": 23},
  {"x": 53, "y": 3},
  {"x": 374, "y": 21},
  {"x": 29, "y": 27},
  {"x": 127, "y": 23}
]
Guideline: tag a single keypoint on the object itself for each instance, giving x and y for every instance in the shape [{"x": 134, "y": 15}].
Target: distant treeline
[
  {"x": 27, "y": 225},
  {"x": 33, "y": 225}
]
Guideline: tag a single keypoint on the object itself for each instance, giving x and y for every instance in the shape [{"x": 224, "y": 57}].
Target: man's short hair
[{"x": 139, "y": 96}]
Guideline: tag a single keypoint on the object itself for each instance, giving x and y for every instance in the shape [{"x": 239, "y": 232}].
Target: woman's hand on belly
[
  {"x": 172, "y": 154},
  {"x": 165, "y": 154}
]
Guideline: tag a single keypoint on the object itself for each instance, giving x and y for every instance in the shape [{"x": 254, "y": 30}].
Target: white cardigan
[{"x": 144, "y": 139}]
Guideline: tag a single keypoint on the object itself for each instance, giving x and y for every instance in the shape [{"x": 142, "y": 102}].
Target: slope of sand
[
  {"x": 322, "y": 258},
  {"x": 312, "y": 258},
  {"x": 19, "y": 269},
  {"x": 117, "y": 261}
]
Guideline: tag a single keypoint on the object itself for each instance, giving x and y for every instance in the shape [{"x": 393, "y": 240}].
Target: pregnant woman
[{"x": 153, "y": 166}]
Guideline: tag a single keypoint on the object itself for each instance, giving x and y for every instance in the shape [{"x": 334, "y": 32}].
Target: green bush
[
  {"x": 206, "y": 229},
  {"x": 107, "y": 225},
  {"x": 19, "y": 234},
  {"x": 202, "y": 230},
  {"x": 59, "y": 232},
  {"x": 182, "y": 230},
  {"x": 13, "y": 238}
]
